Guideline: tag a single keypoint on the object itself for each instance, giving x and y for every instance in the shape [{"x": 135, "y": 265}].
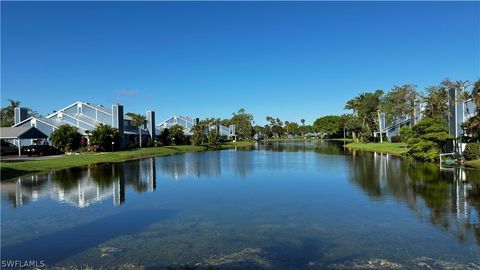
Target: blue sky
[{"x": 208, "y": 59}]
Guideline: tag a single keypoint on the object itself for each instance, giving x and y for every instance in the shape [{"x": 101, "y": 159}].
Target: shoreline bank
[
  {"x": 473, "y": 163},
  {"x": 396, "y": 149},
  {"x": 11, "y": 169}
]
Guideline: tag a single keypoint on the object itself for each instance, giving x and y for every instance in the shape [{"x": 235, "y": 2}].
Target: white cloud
[{"x": 127, "y": 92}]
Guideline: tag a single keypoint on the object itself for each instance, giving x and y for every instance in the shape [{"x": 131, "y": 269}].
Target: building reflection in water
[
  {"x": 84, "y": 186},
  {"x": 446, "y": 198}
]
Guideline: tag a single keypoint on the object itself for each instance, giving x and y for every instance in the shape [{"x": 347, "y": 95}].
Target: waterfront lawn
[
  {"x": 386, "y": 147},
  {"x": 473, "y": 163},
  {"x": 22, "y": 167},
  {"x": 339, "y": 140}
]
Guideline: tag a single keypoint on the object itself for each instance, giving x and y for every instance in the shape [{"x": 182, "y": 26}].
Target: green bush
[
  {"x": 164, "y": 138},
  {"x": 472, "y": 151},
  {"x": 66, "y": 138},
  {"x": 198, "y": 137},
  {"x": 213, "y": 137},
  {"x": 406, "y": 133},
  {"x": 425, "y": 150},
  {"x": 426, "y": 139},
  {"x": 396, "y": 139},
  {"x": 103, "y": 136},
  {"x": 177, "y": 135}
]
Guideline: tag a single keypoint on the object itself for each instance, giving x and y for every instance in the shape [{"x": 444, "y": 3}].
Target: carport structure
[{"x": 21, "y": 133}]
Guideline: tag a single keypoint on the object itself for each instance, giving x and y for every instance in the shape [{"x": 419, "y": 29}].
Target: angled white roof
[{"x": 99, "y": 107}]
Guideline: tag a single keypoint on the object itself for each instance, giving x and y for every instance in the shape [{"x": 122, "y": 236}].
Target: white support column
[{"x": 19, "y": 147}]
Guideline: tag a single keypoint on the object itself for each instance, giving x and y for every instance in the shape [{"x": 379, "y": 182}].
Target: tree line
[{"x": 425, "y": 138}]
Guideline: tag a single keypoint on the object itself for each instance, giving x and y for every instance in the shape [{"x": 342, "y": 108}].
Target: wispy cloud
[{"x": 127, "y": 92}]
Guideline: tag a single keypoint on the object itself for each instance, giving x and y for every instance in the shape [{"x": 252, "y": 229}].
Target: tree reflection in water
[{"x": 446, "y": 198}]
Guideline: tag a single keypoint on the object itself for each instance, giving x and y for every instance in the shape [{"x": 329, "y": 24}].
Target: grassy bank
[
  {"x": 18, "y": 168},
  {"x": 338, "y": 140},
  {"x": 387, "y": 147},
  {"x": 473, "y": 163}
]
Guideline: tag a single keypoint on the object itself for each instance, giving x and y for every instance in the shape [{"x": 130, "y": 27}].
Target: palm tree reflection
[{"x": 449, "y": 199}]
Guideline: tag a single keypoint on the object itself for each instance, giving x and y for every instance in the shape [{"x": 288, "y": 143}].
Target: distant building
[
  {"x": 459, "y": 111},
  {"x": 86, "y": 116},
  {"x": 188, "y": 123}
]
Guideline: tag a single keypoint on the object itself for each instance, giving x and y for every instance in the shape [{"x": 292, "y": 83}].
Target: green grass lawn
[
  {"x": 339, "y": 140},
  {"x": 18, "y": 168},
  {"x": 473, "y": 163},
  {"x": 386, "y": 147}
]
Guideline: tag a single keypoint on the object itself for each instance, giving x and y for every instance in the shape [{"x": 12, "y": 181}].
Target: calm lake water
[{"x": 289, "y": 205}]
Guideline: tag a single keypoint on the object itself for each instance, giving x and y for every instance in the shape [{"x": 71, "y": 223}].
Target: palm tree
[
  {"x": 473, "y": 124},
  {"x": 303, "y": 127},
  {"x": 476, "y": 94},
  {"x": 137, "y": 121},
  {"x": 13, "y": 105},
  {"x": 353, "y": 104},
  {"x": 7, "y": 113}
]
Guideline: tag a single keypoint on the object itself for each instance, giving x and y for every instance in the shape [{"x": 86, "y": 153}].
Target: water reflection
[
  {"x": 239, "y": 161},
  {"x": 183, "y": 166},
  {"x": 446, "y": 198},
  {"x": 206, "y": 164},
  {"x": 322, "y": 147},
  {"x": 84, "y": 186}
]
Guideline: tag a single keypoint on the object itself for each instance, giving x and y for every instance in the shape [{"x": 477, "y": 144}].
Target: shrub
[
  {"x": 396, "y": 139},
  {"x": 133, "y": 145},
  {"x": 426, "y": 138},
  {"x": 94, "y": 148},
  {"x": 103, "y": 136},
  {"x": 66, "y": 138},
  {"x": 198, "y": 137},
  {"x": 472, "y": 151},
  {"x": 164, "y": 138},
  {"x": 177, "y": 135},
  {"x": 425, "y": 150},
  {"x": 213, "y": 137}
]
